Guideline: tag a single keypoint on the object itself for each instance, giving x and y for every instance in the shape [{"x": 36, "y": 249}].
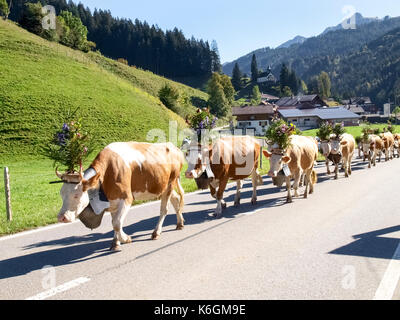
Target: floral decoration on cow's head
[
  {"x": 325, "y": 130},
  {"x": 338, "y": 130},
  {"x": 279, "y": 133},
  {"x": 70, "y": 144},
  {"x": 365, "y": 132},
  {"x": 201, "y": 122}
]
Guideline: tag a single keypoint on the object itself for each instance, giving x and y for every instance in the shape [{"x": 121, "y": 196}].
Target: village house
[
  {"x": 254, "y": 118},
  {"x": 306, "y": 119},
  {"x": 301, "y": 102},
  {"x": 363, "y": 102}
]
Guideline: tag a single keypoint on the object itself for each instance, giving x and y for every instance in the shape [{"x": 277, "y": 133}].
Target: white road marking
[
  {"x": 390, "y": 279},
  {"x": 64, "y": 287}
]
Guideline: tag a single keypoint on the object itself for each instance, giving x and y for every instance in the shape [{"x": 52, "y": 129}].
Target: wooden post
[{"x": 8, "y": 193}]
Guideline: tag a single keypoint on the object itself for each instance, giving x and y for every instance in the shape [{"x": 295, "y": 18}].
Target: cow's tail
[{"x": 314, "y": 177}]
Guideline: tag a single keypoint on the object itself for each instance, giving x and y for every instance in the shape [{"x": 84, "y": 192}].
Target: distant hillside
[
  {"x": 339, "y": 42},
  {"x": 372, "y": 71},
  {"x": 357, "y": 18},
  {"x": 40, "y": 79},
  {"x": 295, "y": 40}
]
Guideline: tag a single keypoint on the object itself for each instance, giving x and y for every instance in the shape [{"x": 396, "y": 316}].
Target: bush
[{"x": 169, "y": 96}]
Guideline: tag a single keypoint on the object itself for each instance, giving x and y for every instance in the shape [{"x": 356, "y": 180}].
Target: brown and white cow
[
  {"x": 388, "y": 142},
  {"x": 299, "y": 157},
  {"x": 373, "y": 148},
  {"x": 344, "y": 146},
  {"x": 229, "y": 158},
  {"x": 397, "y": 144},
  {"x": 128, "y": 171}
]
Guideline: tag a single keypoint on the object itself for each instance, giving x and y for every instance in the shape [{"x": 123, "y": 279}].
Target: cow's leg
[
  {"x": 178, "y": 207},
  {"x": 289, "y": 190},
  {"x": 336, "y": 171},
  {"x": 346, "y": 171},
  {"x": 165, "y": 198},
  {"x": 260, "y": 181},
  {"x": 237, "y": 196},
  {"x": 307, "y": 182},
  {"x": 118, "y": 210},
  {"x": 214, "y": 195},
  {"x": 349, "y": 163},
  {"x": 254, "y": 181},
  {"x": 328, "y": 170},
  {"x": 297, "y": 177},
  {"x": 220, "y": 195}
]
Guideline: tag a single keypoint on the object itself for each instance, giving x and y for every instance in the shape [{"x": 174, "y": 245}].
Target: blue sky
[{"x": 242, "y": 26}]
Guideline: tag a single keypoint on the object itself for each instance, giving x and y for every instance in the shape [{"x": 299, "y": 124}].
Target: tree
[
  {"x": 284, "y": 77},
  {"x": 324, "y": 84},
  {"x": 216, "y": 61},
  {"x": 286, "y": 92},
  {"x": 303, "y": 87},
  {"x": 237, "y": 77},
  {"x": 4, "y": 9},
  {"x": 254, "y": 69},
  {"x": 218, "y": 103},
  {"x": 396, "y": 112},
  {"x": 32, "y": 17},
  {"x": 229, "y": 90},
  {"x": 169, "y": 96},
  {"x": 74, "y": 33},
  {"x": 255, "y": 96}
]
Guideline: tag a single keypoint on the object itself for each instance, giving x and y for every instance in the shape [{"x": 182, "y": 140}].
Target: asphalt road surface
[{"x": 340, "y": 243}]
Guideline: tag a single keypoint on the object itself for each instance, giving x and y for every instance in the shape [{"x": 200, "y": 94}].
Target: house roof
[
  {"x": 322, "y": 113},
  {"x": 291, "y": 101},
  {"x": 355, "y": 109},
  {"x": 268, "y": 96},
  {"x": 253, "y": 110}
]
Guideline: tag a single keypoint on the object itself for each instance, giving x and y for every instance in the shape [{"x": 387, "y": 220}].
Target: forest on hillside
[{"x": 168, "y": 53}]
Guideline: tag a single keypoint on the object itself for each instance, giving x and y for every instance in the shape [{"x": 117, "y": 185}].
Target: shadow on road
[{"x": 371, "y": 245}]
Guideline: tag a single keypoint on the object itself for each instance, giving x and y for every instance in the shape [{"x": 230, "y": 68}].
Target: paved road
[{"x": 341, "y": 243}]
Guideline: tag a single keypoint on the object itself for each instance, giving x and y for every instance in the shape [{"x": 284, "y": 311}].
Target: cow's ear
[
  {"x": 267, "y": 154},
  {"x": 343, "y": 143},
  {"x": 91, "y": 183},
  {"x": 286, "y": 159}
]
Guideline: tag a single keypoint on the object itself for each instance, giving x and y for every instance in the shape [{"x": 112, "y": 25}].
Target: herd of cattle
[{"x": 124, "y": 172}]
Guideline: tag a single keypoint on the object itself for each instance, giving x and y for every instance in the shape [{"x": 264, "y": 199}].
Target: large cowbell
[{"x": 93, "y": 214}]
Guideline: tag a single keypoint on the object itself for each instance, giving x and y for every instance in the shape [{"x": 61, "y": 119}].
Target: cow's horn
[{"x": 58, "y": 174}]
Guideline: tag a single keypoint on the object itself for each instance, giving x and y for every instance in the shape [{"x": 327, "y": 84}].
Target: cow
[
  {"x": 335, "y": 158},
  {"x": 344, "y": 146},
  {"x": 372, "y": 148},
  {"x": 299, "y": 158},
  {"x": 228, "y": 158},
  {"x": 127, "y": 171},
  {"x": 397, "y": 144},
  {"x": 388, "y": 142}
]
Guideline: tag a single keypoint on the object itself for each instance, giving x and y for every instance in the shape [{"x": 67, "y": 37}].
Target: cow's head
[
  {"x": 197, "y": 159},
  {"x": 326, "y": 147},
  {"x": 336, "y": 146},
  {"x": 277, "y": 160},
  {"x": 74, "y": 193}
]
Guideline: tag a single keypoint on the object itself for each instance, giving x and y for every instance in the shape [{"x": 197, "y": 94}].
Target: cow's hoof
[
  {"x": 224, "y": 205},
  {"x": 217, "y": 215},
  {"x": 236, "y": 204},
  {"x": 155, "y": 236},
  {"x": 128, "y": 240},
  {"x": 336, "y": 177},
  {"x": 115, "y": 246},
  {"x": 180, "y": 226},
  {"x": 253, "y": 202},
  {"x": 289, "y": 200}
]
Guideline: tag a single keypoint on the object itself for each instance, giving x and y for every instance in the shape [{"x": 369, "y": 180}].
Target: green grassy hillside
[{"x": 40, "y": 79}]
